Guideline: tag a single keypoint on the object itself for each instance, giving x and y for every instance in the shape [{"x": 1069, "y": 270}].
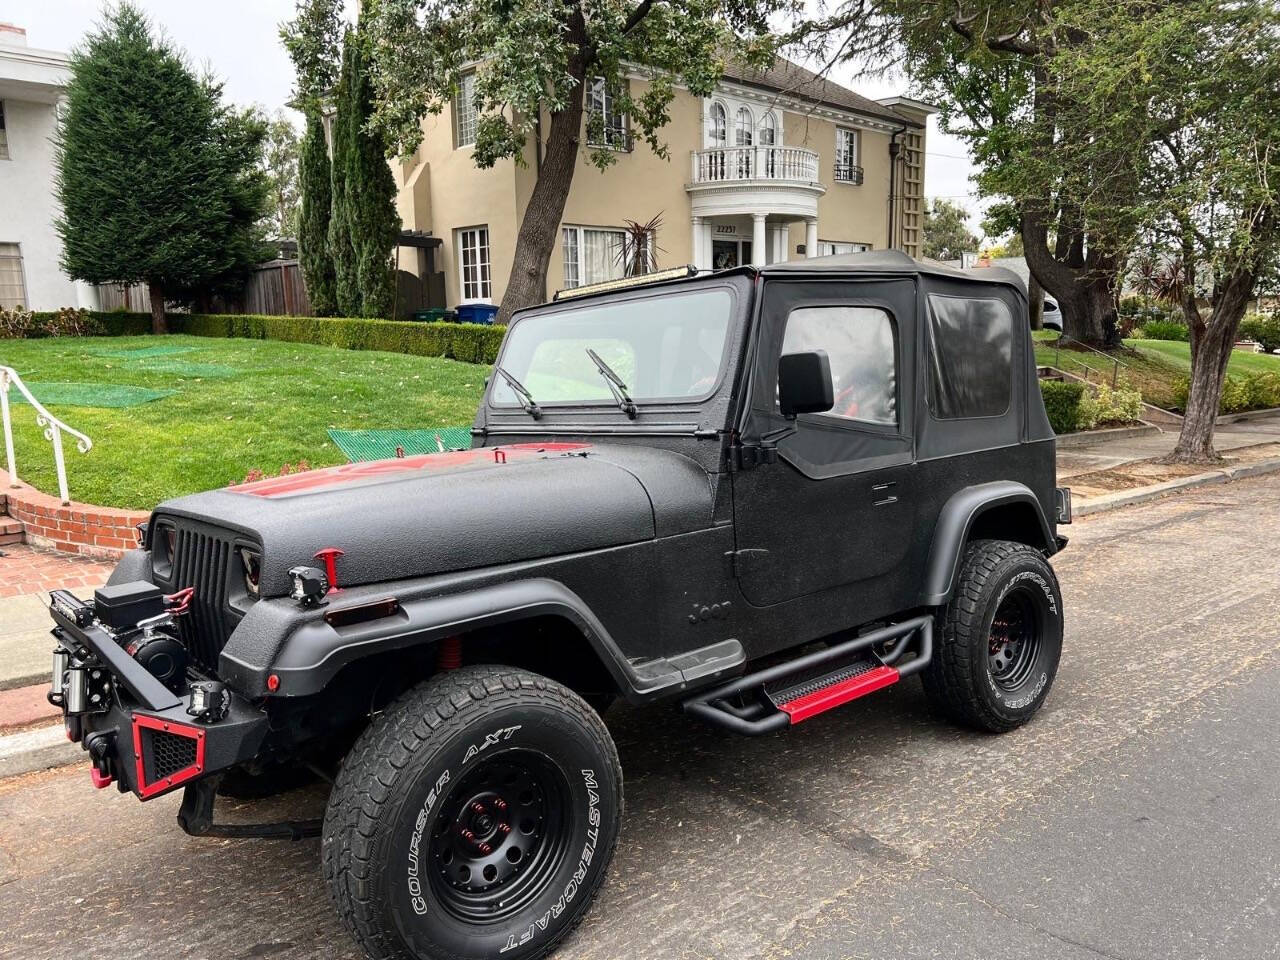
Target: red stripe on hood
[{"x": 431, "y": 462}]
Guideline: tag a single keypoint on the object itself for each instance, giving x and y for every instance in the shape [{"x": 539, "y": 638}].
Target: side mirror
[{"x": 804, "y": 383}]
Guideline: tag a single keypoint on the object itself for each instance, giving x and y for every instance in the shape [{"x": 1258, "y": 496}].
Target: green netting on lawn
[
  {"x": 362, "y": 445},
  {"x": 90, "y": 394},
  {"x": 190, "y": 369},
  {"x": 138, "y": 353}
]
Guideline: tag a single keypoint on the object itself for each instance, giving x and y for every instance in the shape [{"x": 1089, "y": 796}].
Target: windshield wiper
[
  {"x": 527, "y": 403},
  {"x": 615, "y": 384}
]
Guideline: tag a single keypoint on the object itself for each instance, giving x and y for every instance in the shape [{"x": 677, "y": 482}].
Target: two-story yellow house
[{"x": 776, "y": 165}]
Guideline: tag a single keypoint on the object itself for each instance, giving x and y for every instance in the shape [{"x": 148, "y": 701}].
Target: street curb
[
  {"x": 38, "y": 749},
  {"x": 1125, "y": 498},
  {"x": 1089, "y": 438},
  {"x": 13, "y": 683}
]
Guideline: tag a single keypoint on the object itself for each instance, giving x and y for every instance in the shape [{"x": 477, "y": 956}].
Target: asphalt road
[{"x": 1136, "y": 817}]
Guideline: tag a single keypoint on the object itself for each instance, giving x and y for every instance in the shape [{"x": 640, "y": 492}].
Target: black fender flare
[
  {"x": 955, "y": 521},
  {"x": 309, "y": 652}
]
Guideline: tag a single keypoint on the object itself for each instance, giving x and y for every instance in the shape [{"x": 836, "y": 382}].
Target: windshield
[{"x": 667, "y": 347}]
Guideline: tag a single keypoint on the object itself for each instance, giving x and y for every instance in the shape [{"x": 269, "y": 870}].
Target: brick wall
[{"x": 76, "y": 528}]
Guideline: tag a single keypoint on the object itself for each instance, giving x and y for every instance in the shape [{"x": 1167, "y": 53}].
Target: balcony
[
  {"x": 848, "y": 173},
  {"x": 778, "y": 181},
  {"x": 736, "y": 164}
]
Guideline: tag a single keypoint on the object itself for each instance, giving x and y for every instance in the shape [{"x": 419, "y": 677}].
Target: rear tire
[
  {"x": 475, "y": 818},
  {"x": 1000, "y": 638}
]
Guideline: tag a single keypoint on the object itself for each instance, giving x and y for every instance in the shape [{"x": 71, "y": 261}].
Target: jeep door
[{"x": 838, "y": 505}]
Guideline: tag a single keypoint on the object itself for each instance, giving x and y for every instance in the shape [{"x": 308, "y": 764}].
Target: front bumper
[{"x": 137, "y": 732}]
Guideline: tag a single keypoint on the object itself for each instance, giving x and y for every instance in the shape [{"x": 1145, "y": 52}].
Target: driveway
[{"x": 1134, "y": 818}]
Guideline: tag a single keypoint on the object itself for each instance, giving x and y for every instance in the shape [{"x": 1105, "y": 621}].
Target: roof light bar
[{"x": 623, "y": 283}]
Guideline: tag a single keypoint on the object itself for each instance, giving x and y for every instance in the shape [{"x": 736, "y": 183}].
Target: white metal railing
[
  {"x": 53, "y": 430},
  {"x": 727, "y": 164}
]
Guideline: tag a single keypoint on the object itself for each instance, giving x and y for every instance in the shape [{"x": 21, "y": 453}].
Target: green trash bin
[{"x": 434, "y": 315}]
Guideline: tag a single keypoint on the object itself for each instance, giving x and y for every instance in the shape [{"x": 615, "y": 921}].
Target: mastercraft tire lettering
[{"x": 475, "y": 818}]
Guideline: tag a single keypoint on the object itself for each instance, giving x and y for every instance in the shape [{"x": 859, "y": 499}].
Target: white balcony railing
[
  {"x": 730, "y": 164},
  {"x": 53, "y": 430}
]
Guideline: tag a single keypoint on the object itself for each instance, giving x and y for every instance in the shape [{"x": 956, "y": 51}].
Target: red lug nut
[
  {"x": 500, "y": 803},
  {"x": 478, "y": 807},
  {"x": 486, "y": 849},
  {"x": 504, "y": 828},
  {"x": 467, "y": 834}
]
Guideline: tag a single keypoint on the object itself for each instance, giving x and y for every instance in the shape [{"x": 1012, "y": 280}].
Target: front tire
[
  {"x": 1000, "y": 638},
  {"x": 475, "y": 818}
]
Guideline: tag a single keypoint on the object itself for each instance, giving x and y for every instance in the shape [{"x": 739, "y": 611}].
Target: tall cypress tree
[
  {"x": 313, "y": 224},
  {"x": 345, "y": 129},
  {"x": 375, "y": 224},
  {"x": 157, "y": 179}
]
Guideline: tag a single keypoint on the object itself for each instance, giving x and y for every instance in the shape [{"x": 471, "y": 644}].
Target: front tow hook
[{"x": 101, "y": 748}]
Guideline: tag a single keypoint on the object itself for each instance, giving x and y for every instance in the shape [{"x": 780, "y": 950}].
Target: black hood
[{"x": 424, "y": 515}]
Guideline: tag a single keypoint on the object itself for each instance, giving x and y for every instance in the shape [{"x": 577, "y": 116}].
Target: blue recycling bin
[{"x": 476, "y": 312}]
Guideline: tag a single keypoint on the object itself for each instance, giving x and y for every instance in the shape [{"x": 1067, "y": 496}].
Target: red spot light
[{"x": 273, "y": 682}]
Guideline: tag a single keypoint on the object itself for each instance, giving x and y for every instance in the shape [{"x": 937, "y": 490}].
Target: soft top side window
[
  {"x": 862, "y": 346},
  {"x": 970, "y": 357}
]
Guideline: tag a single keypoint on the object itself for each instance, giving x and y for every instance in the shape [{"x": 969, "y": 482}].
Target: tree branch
[{"x": 637, "y": 15}]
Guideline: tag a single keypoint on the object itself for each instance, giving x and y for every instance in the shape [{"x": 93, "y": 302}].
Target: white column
[
  {"x": 811, "y": 237},
  {"x": 758, "y": 252},
  {"x": 780, "y": 243},
  {"x": 708, "y": 252},
  {"x": 696, "y": 251}
]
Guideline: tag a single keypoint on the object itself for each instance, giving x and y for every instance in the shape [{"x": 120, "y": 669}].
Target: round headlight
[{"x": 252, "y": 569}]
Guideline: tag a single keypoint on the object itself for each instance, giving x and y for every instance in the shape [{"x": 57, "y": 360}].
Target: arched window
[
  {"x": 768, "y": 133},
  {"x": 718, "y": 131},
  {"x": 743, "y": 128}
]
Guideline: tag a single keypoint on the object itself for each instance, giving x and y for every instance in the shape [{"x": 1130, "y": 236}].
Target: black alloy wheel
[{"x": 501, "y": 834}]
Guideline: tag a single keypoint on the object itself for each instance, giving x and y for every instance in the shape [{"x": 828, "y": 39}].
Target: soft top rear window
[{"x": 970, "y": 357}]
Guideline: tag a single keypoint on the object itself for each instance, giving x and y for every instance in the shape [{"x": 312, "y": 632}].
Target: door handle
[
  {"x": 885, "y": 502},
  {"x": 880, "y": 488}
]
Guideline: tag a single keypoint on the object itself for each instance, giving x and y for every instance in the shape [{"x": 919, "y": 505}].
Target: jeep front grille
[{"x": 201, "y": 561}]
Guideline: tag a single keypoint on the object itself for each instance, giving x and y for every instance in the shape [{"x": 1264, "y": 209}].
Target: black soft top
[
  {"x": 874, "y": 263},
  {"x": 882, "y": 262}
]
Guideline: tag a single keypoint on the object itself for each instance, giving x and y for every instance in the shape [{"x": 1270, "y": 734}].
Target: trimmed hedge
[
  {"x": 1062, "y": 403},
  {"x": 1254, "y": 391},
  {"x": 1263, "y": 328},
  {"x": 1072, "y": 406},
  {"x": 71, "y": 322},
  {"x": 469, "y": 342}
]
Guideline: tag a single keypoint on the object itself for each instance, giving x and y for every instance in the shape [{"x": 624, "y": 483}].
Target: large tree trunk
[
  {"x": 540, "y": 225},
  {"x": 158, "y": 322},
  {"x": 1211, "y": 346},
  {"x": 1082, "y": 286}
]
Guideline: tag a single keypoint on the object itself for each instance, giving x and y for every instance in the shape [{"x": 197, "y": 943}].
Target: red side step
[{"x": 812, "y": 704}]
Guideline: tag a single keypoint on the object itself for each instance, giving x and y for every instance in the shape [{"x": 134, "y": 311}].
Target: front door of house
[{"x": 730, "y": 253}]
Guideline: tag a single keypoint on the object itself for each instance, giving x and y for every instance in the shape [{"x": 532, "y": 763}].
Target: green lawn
[
  {"x": 1242, "y": 362},
  {"x": 236, "y": 405},
  {"x": 1150, "y": 366}
]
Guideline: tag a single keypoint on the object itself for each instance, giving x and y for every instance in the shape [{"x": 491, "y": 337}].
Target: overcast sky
[{"x": 239, "y": 41}]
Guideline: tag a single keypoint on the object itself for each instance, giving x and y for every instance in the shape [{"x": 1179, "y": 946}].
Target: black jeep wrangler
[{"x": 761, "y": 493}]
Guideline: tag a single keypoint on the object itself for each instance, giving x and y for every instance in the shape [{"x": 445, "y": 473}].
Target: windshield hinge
[{"x": 748, "y": 456}]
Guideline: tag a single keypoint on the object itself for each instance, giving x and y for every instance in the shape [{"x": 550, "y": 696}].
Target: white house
[{"x": 31, "y": 83}]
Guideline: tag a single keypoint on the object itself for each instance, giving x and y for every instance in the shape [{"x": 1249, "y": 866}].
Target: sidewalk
[
  {"x": 27, "y": 574},
  {"x": 1124, "y": 464}
]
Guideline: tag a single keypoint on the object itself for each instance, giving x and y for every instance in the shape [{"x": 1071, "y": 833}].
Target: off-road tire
[
  {"x": 962, "y": 681},
  {"x": 389, "y": 815}
]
